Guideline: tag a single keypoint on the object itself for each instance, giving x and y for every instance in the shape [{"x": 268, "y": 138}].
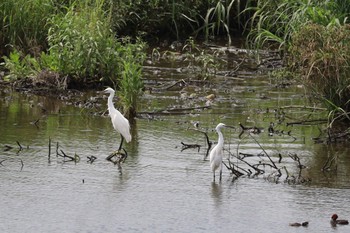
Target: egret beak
[{"x": 231, "y": 127}]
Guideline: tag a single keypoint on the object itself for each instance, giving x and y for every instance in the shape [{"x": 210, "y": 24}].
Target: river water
[{"x": 162, "y": 188}]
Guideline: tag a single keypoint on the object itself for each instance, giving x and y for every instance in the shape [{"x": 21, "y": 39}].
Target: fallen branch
[
  {"x": 308, "y": 122},
  {"x": 188, "y": 146},
  {"x": 76, "y": 157},
  {"x": 7, "y": 148},
  {"x": 173, "y": 111}
]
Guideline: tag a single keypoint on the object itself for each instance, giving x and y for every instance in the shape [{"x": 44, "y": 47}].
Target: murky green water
[{"x": 161, "y": 188}]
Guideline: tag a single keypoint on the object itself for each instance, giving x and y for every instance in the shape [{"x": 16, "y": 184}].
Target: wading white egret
[
  {"x": 120, "y": 123},
  {"x": 216, "y": 153}
]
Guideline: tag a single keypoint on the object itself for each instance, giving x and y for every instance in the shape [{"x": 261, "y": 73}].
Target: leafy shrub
[
  {"x": 19, "y": 66},
  {"x": 81, "y": 42}
]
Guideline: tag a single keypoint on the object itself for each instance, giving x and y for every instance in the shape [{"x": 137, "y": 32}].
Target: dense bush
[{"x": 82, "y": 45}]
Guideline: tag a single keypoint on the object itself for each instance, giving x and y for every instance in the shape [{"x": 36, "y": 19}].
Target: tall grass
[
  {"x": 131, "y": 84},
  {"x": 82, "y": 43},
  {"x": 24, "y": 25},
  {"x": 218, "y": 19},
  {"x": 322, "y": 54},
  {"x": 274, "y": 21}
]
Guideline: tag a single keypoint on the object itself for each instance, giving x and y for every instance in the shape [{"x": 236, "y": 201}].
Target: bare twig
[
  {"x": 49, "y": 149},
  {"x": 91, "y": 159},
  {"x": 76, "y": 158},
  {"x": 57, "y": 145},
  {"x": 2, "y": 162},
  {"x": 19, "y": 144},
  {"x": 272, "y": 162}
]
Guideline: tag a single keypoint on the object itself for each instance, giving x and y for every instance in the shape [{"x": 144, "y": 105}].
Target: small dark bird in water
[
  {"x": 336, "y": 221},
  {"x": 296, "y": 224}
]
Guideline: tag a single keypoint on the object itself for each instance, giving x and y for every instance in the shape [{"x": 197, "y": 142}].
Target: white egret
[
  {"x": 216, "y": 153},
  {"x": 120, "y": 123}
]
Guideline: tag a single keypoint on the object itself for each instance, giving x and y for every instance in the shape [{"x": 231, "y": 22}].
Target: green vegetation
[
  {"x": 78, "y": 43},
  {"x": 275, "y": 21},
  {"x": 24, "y": 25},
  {"x": 314, "y": 37},
  {"x": 81, "y": 43},
  {"x": 322, "y": 55}
]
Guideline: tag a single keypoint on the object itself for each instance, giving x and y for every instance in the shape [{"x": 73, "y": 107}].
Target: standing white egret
[
  {"x": 120, "y": 123},
  {"x": 217, "y": 151}
]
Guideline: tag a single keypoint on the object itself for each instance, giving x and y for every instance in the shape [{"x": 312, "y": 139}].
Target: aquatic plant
[
  {"x": 19, "y": 66},
  {"x": 218, "y": 19},
  {"x": 201, "y": 59}
]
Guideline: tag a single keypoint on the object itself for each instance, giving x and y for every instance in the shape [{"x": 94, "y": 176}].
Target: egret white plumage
[
  {"x": 216, "y": 153},
  {"x": 120, "y": 123}
]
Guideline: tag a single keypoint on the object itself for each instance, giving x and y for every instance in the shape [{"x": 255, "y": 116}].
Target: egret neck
[{"x": 110, "y": 102}]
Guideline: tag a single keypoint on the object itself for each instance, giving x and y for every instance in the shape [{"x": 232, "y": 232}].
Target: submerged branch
[
  {"x": 20, "y": 146},
  {"x": 308, "y": 122},
  {"x": 173, "y": 111},
  {"x": 188, "y": 146}
]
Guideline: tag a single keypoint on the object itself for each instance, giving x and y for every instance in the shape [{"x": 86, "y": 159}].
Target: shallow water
[{"x": 161, "y": 188}]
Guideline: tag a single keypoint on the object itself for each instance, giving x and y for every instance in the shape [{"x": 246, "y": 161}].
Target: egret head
[
  {"x": 109, "y": 90},
  {"x": 220, "y": 126}
]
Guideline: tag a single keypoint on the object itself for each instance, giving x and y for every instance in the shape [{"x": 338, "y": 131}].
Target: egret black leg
[
  {"x": 121, "y": 143},
  {"x": 220, "y": 174}
]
